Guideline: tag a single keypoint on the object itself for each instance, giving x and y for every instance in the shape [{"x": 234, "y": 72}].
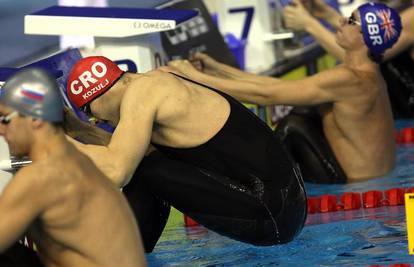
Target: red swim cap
[{"x": 90, "y": 78}]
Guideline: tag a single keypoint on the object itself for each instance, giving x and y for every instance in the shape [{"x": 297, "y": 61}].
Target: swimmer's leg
[
  {"x": 150, "y": 211},
  {"x": 254, "y": 213},
  {"x": 303, "y": 136}
]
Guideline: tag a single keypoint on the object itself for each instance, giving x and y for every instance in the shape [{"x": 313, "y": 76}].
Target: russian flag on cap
[{"x": 32, "y": 94}]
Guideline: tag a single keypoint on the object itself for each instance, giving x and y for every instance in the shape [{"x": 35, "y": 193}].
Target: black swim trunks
[
  {"x": 19, "y": 256},
  {"x": 301, "y": 133},
  {"x": 398, "y": 73}
]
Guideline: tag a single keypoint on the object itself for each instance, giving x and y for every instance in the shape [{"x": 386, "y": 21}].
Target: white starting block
[
  {"x": 121, "y": 34},
  {"x": 252, "y": 20}
]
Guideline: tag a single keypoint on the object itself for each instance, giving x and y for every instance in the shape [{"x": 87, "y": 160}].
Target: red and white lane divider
[
  {"x": 394, "y": 265},
  {"x": 356, "y": 200},
  {"x": 404, "y": 136}
]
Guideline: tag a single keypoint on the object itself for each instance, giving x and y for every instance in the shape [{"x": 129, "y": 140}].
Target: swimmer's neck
[
  {"x": 125, "y": 81},
  {"x": 45, "y": 145},
  {"x": 108, "y": 105},
  {"x": 119, "y": 88},
  {"x": 359, "y": 60}
]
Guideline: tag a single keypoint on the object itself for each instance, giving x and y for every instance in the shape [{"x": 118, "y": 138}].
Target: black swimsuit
[
  {"x": 398, "y": 73},
  {"x": 301, "y": 133},
  {"x": 242, "y": 183}
]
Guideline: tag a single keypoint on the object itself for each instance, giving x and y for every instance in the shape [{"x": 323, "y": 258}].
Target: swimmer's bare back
[{"x": 83, "y": 219}]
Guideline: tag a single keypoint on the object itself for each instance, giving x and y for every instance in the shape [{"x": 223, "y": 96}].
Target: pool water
[{"x": 361, "y": 237}]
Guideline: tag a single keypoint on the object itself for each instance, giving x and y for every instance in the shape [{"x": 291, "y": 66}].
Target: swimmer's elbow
[
  {"x": 120, "y": 177},
  {"x": 116, "y": 175}
]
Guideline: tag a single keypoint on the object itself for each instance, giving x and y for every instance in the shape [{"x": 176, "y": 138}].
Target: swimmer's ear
[
  {"x": 37, "y": 123},
  {"x": 361, "y": 39}
]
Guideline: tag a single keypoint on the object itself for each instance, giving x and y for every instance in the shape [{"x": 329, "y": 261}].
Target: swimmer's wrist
[
  {"x": 333, "y": 17},
  {"x": 311, "y": 25}
]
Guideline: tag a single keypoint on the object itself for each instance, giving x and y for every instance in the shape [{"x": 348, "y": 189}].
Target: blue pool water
[{"x": 346, "y": 238}]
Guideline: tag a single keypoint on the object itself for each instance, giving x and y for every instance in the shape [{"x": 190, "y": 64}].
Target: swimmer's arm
[
  {"x": 119, "y": 159},
  {"x": 251, "y": 91},
  {"x": 322, "y": 10},
  {"x": 130, "y": 140},
  {"x": 325, "y": 38},
  {"x": 233, "y": 73},
  {"x": 84, "y": 132},
  {"x": 215, "y": 70},
  {"x": 407, "y": 35},
  {"x": 245, "y": 90},
  {"x": 21, "y": 202},
  {"x": 297, "y": 17},
  {"x": 246, "y": 87},
  {"x": 229, "y": 72},
  {"x": 323, "y": 87}
]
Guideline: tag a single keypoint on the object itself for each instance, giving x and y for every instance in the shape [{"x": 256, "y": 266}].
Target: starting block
[
  {"x": 128, "y": 35},
  {"x": 253, "y": 22}
]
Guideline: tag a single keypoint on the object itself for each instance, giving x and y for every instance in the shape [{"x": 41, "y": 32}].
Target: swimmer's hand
[
  {"x": 321, "y": 10},
  {"x": 198, "y": 63},
  {"x": 185, "y": 67},
  {"x": 208, "y": 64},
  {"x": 296, "y": 16},
  {"x": 83, "y": 131}
]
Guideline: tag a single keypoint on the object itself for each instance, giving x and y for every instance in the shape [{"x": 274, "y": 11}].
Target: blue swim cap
[{"x": 381, "y": 26}]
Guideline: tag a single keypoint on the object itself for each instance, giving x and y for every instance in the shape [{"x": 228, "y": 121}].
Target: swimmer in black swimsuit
[{"x": 215, "y": 160}]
